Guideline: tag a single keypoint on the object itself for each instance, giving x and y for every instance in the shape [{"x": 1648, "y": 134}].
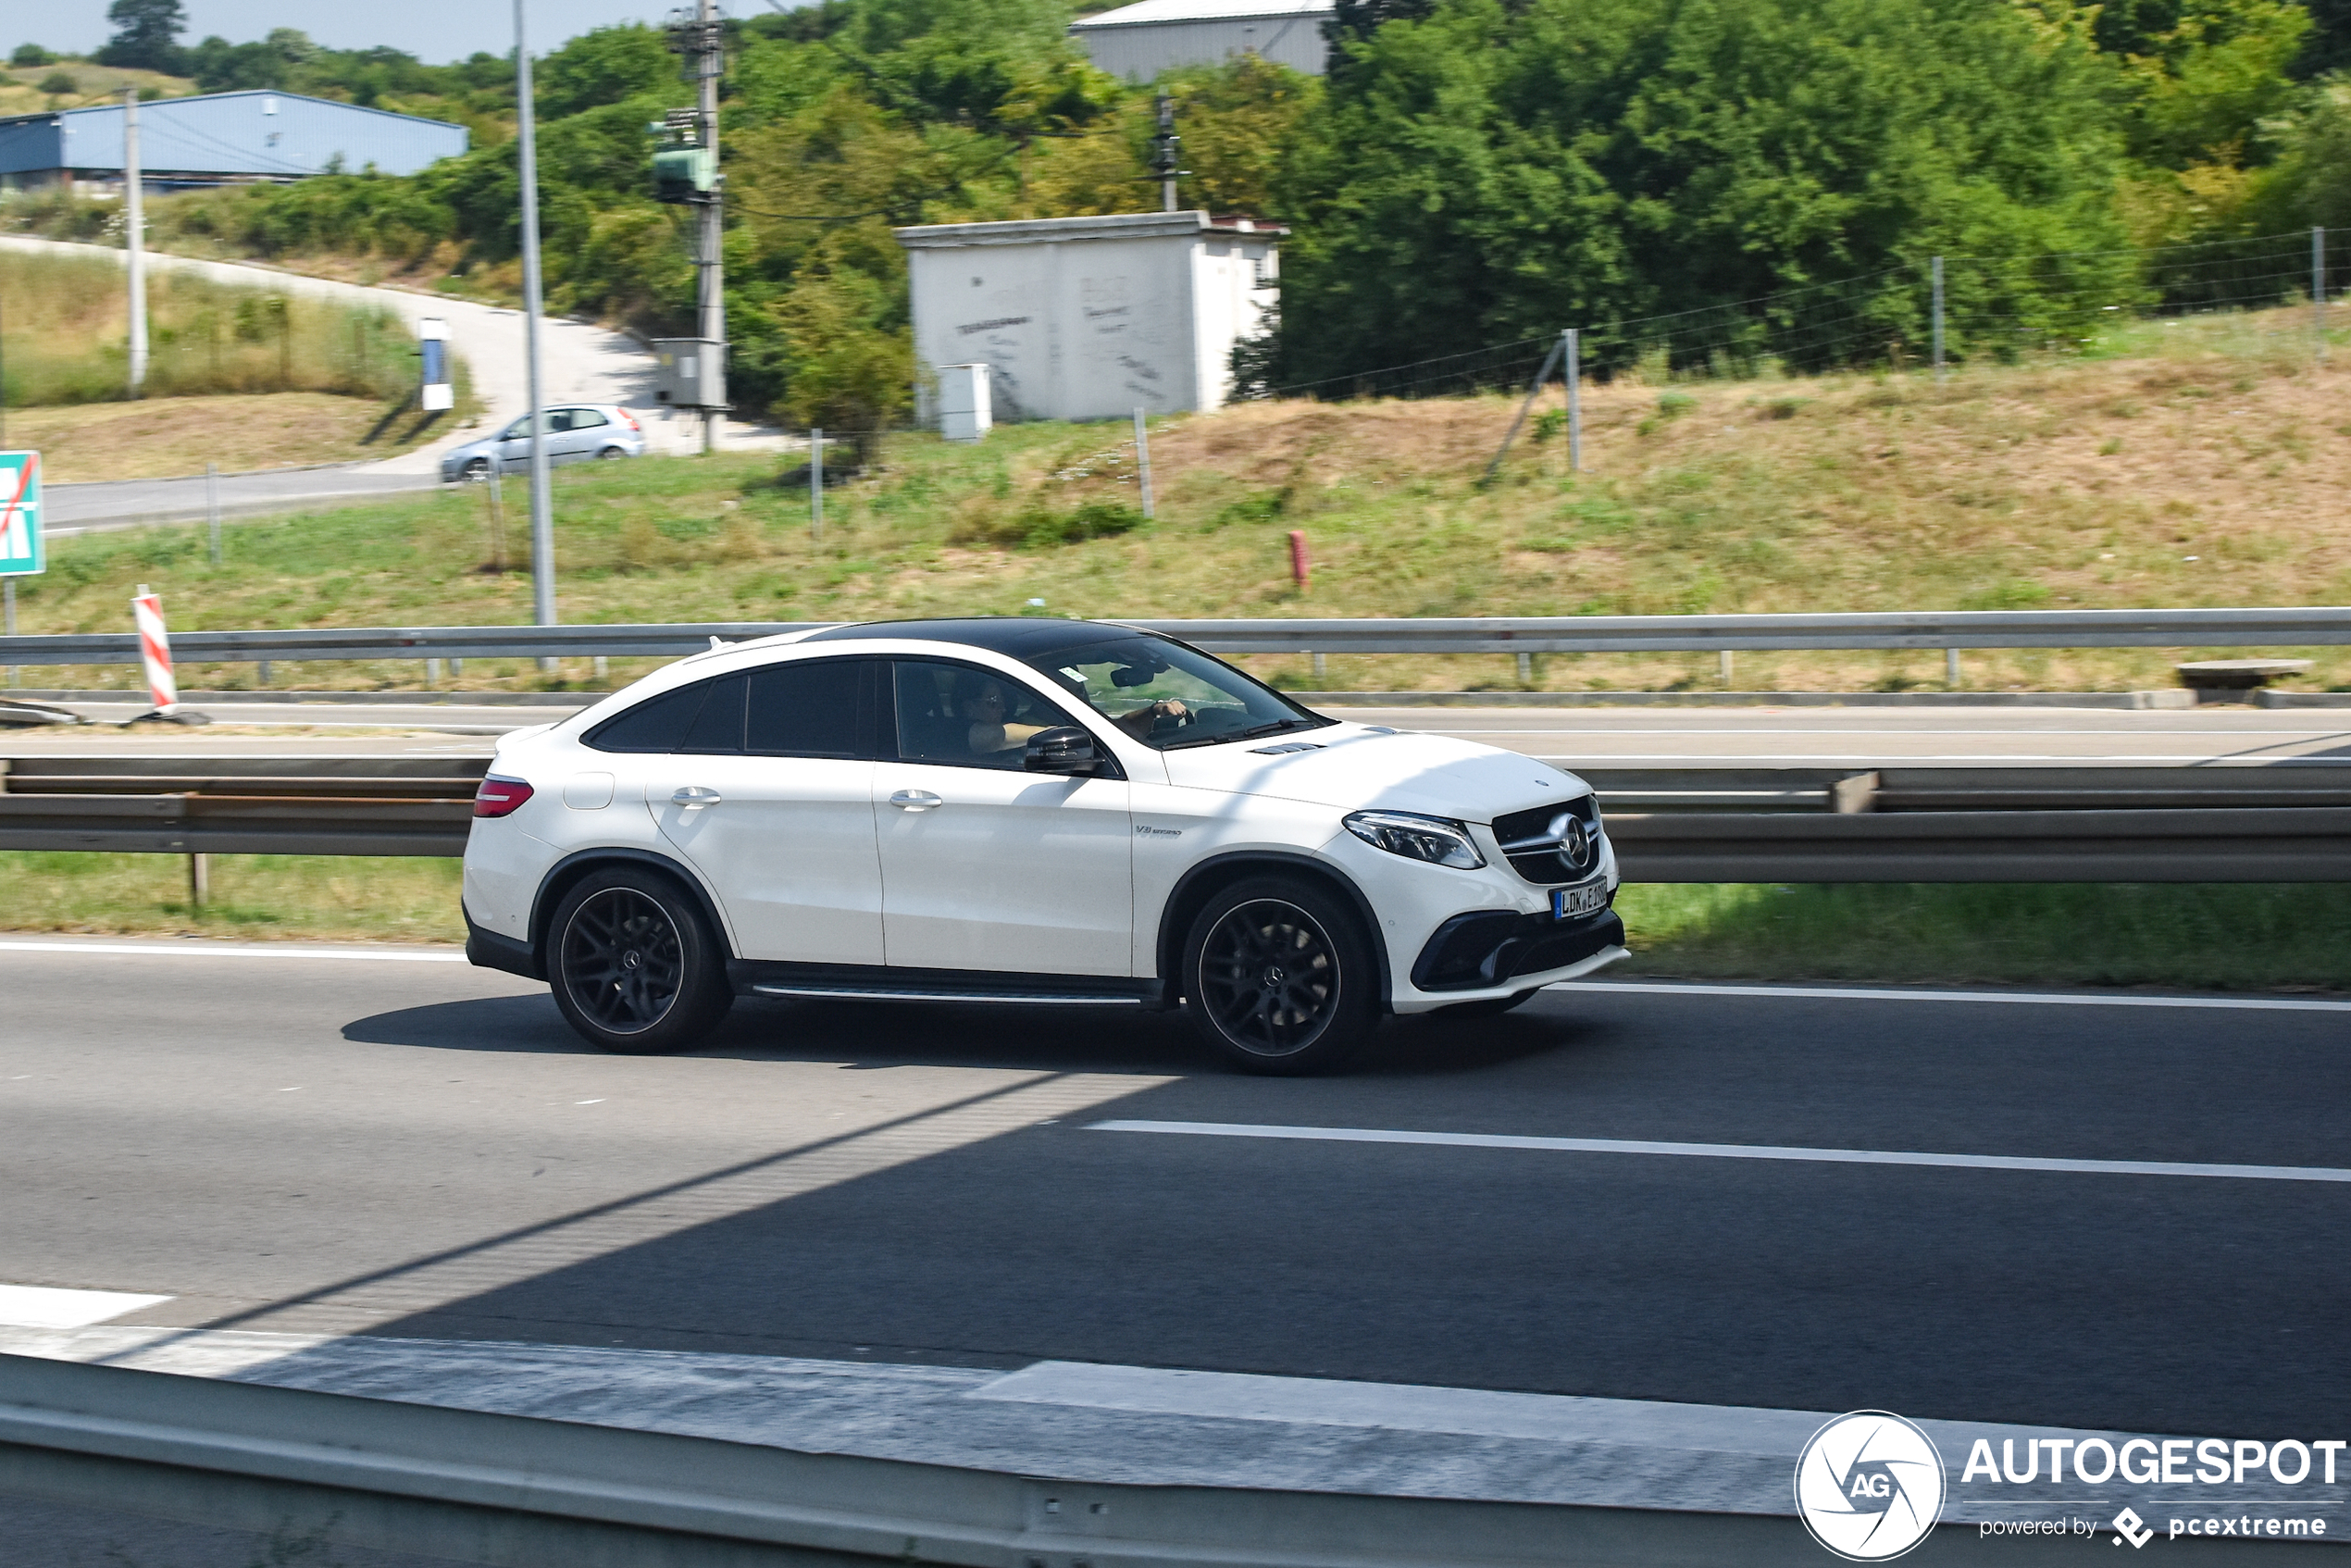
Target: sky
[{"x": 434, "y": 30}]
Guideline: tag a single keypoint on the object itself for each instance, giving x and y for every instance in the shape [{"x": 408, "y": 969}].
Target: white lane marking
[
  {"x": 1733, "y": 1151},
  {"x": 40, "y": 1306},
  {"x": 2035, "y": 998},
  {"x": 587, "y": 1102},
  {"x": 206, "y": 951}
]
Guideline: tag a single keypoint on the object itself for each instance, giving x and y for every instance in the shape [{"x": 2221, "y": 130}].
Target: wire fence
[{"x": 1945, "y": 310}]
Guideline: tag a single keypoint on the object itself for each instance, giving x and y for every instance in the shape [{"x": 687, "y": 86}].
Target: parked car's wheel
[
  {"x": 1278, "y": 975},
  {"x": 634, "y": 966},
  {"x": 476, "y": 471},
  {"x": 1492, "y": 1007},
  {"x": 611, "y": 452}
]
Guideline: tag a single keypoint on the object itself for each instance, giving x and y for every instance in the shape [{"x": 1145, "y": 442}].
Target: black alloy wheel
[
  {"x": 1278, "y": 978},
  {"x": 634, "y": 967}
]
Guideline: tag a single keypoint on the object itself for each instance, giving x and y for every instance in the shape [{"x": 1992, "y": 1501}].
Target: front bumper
[{"x": 1488, "y": 949}]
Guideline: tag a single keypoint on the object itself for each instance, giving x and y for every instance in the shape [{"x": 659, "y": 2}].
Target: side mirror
[{"x": 1063, "y": 750}]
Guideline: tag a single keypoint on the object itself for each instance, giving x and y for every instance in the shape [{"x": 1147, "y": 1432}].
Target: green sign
[{"x": 20, "y": 552}]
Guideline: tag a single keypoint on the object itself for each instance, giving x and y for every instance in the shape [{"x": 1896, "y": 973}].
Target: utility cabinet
[{"x": 690, "y": 372}]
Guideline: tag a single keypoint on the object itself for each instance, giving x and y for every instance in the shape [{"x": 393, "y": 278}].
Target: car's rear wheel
[
  {"x": 634, "y": 966},
  {"x": 611, "y": 451},
  {"x": 1278, "y": 975}
]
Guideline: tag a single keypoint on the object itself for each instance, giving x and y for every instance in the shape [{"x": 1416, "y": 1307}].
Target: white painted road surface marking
[
  {"x": 208, "y": 949},
  {"x": 1894, "y": 993},
  {"x": 40, "y": 1306},
  {"x": 1731, "y": 1150}
]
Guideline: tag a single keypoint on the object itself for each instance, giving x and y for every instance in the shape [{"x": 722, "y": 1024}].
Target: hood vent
[{"x": 1286, "y": 747}]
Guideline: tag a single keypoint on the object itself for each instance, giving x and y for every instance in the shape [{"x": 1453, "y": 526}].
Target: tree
[
  {"x": 147, "y": 36},
  {"x": 31, "y": 57}
]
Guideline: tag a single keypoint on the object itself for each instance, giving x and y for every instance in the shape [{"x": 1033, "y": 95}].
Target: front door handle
[
  {"x": 915, "y": 799},
  {"x": 694, "y": 795}
]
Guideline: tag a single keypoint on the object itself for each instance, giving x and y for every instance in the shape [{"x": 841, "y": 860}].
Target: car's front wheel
[
  {"x": 1279, "y": 977},
  {"x": 476, "y": 471},
  {"x": 634, "y": 966}
]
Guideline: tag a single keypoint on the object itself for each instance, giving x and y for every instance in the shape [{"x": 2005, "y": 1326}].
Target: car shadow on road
[{"x": 1058, "y": 1040}]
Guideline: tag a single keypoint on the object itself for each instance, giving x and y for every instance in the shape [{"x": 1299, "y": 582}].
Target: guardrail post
[
  {"x": 432, "y": 675},
  {"x": 1726, "y": 669},
  {"x": 1526, "y": 670},
  {"x": 199, "y": 880},
  {"x": 1951, "y": 668},
  {"x": 1319, "y": 672},
  {"x": 603, "y": 667},
  {"x": 261, "y": 672}
]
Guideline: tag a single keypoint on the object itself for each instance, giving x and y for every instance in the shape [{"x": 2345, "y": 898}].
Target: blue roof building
[{"x": 220, "y": 139}]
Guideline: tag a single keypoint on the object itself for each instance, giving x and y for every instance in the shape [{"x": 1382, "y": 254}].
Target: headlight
[{"x": 1433, "y": 839}]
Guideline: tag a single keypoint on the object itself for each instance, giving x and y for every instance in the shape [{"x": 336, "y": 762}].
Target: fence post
[
  {"x": 212, "y": 505},
  {"x": 1938, "y": 319},
  {"x": 815, "y": 482},
  {"x": 1143, "y": 462},
  {"x": 2318, "y": 292},
  {"x": 1573, "y": 337}
]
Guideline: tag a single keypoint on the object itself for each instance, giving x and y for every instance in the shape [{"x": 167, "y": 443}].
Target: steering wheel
[{"x": 1162, "y": 721}]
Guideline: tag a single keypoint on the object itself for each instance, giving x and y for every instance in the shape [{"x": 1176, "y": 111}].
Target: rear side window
[
  {"x": 719, "y": 726},
  {"x": 707, "y": 718},
  {"x": 658, "y": 724},
  {"x": 806, "y": 710}
]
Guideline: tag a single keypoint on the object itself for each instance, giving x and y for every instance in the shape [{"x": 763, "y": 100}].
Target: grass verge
[
  {"x": 166, "y": 437},
  {"x": 2197, "y": 936},
  {"x": 2197, "y": 468}
]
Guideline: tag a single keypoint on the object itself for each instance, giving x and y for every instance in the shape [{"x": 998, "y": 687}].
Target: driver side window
[{"x": 966, "y": 718}]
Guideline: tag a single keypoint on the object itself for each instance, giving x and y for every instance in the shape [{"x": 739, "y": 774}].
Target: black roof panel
[{"x": 1020, "y": 637}]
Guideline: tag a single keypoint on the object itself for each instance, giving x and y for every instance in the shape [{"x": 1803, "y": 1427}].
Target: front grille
[{"x": 1552, "y": 843}]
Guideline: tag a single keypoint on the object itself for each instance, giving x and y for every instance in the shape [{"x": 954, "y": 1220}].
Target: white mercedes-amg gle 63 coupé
[{"x": 1026, "y": 812}]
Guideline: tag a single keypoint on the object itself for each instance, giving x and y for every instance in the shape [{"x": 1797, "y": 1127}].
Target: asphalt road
[
  {"x": 323, "y": 1144},
  {"x": 1616, "y": 737}
]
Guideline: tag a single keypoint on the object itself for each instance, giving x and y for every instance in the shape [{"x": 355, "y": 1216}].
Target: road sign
[{"x": 20, "y": 551}]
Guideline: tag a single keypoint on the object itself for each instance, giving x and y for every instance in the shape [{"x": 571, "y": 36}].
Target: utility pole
[
  {"x": 542, "y": 508},
  {"x": 701, "y": 38},
  {"x": 135, "y": 235},
  {"x": 1164, "y": 160}
]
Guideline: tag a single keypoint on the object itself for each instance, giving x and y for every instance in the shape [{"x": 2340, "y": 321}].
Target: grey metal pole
[
  {"x": 1573, "y": 337},
  {"x": 712, "y": 280},
  {"x": 1951, "y": 668},
  {"x": 134, "y": 236},
  {"x": 1143, "y": 462},
  {"x": 1938, "y": 317},
  {"x": 212, "y": 505},
  {"x": 2318, "y": 291},
  {"x": 9, "y": 596},
  {"x": 543, "y": 510},
  {"x": 816, "y": 483}
]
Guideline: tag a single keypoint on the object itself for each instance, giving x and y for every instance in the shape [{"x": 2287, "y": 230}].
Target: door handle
[
  {"x": 694, "y": 795},
  {"x": 915, "y": 799}
]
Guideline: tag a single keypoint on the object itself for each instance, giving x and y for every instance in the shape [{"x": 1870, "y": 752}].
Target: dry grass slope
[{"x": 2202, "y": 468}]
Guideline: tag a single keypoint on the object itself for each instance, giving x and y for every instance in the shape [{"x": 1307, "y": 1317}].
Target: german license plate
[{"x": 1574, "y": 903}]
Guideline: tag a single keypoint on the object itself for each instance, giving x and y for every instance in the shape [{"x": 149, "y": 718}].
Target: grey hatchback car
[{"x": 575, "y": 433}]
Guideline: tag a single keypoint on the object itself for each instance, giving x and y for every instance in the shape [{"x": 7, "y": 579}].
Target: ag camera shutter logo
[{"x": 1869, "y": 1485}]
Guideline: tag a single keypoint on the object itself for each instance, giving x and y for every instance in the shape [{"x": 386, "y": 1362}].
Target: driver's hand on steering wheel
[{"x": 1171, "y": 713}]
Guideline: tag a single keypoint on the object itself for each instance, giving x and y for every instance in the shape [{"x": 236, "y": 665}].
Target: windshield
[{"x": 1169, "y": 696}]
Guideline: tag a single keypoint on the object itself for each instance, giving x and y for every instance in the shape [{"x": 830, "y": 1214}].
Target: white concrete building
[
  {"x": 1138, "y": 42},
  {"x": 1093, "y": 317}
]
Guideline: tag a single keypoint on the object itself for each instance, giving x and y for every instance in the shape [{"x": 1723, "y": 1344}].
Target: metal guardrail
[
  {"x": 2274, "y": 822},
  {"x": 2288, "y": 627},
  {"x": 482, "y": 1488}
]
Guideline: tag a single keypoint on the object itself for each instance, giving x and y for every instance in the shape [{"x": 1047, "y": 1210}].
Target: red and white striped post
[{"x": 154, "y": 649}]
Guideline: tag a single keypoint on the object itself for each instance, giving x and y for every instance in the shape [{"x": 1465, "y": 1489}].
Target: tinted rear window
[
  {"x": 719, "y": 726},
  {"x": 658, "y": 724},
  {"x": 806, "y": 710}
]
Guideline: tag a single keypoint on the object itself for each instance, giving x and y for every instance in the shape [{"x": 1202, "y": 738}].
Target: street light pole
[
  {"x": 542, "y": 511},
  {"x": 134, "y": 236}
]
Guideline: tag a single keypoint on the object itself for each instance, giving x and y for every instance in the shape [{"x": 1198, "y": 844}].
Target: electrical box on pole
[{"x": 689, "y": 373}]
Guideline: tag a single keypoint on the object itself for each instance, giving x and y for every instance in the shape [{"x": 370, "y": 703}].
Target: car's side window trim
[{"x": 886, "y": 706}]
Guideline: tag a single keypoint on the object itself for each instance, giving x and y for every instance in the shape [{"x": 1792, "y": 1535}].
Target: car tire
[
  {"x": 634, "y": 966},
  {"x": 611, "y": 451},
  {"x": 1278, "y": 975},
  {"x": 1491, "y": 1007},
  {"x": 476, "y": 471}
]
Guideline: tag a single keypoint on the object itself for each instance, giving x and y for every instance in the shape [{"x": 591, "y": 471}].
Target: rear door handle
[
  {"x": 915, "y": 799},
  {"x": 694, "y": 795}
]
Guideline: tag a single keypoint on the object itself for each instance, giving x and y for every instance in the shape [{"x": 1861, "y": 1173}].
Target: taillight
[
  {"x": 630, "y": 420},
  {"x": 500, "y": 797}
]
